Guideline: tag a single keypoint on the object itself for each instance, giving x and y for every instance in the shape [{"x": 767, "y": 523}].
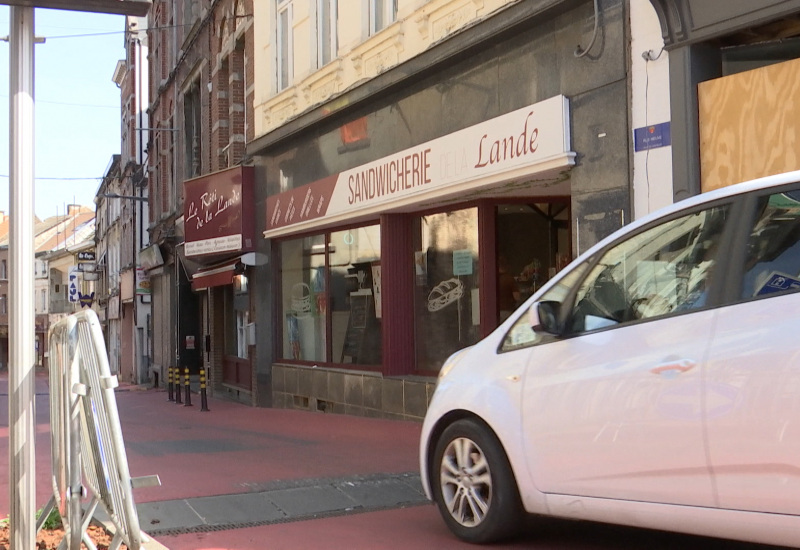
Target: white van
[{"x": 654, "y": 382}]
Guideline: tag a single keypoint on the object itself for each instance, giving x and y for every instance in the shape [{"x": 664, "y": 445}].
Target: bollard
[
  {"x": 203, "y": 396},
  {"x": 169, "y": 384},
  {"x": 176, "y": 375},
  {"x": 188, "y": 390}
]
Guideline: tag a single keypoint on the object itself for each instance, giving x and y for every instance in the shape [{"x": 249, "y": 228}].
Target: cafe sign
[
  {"x": 529, "y": 141},
  {"x": 218, "y": 212}
]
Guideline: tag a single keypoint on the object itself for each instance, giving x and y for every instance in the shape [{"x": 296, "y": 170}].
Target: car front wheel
[{"x": 474, "y": 487}]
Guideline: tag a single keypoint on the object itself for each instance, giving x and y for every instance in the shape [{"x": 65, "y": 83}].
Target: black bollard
[
  {"x": 203, "y": 396},
  {"x": 188, "y": 390},
  {"x": 170, "y": 397},
  {"x": 176, "y": 375}
]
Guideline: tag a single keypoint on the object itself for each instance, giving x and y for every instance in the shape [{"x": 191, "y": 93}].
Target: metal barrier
[{"x": 87, "y": 445}]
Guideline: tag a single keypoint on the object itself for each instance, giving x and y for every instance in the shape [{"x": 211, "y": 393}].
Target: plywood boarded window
[{"x": 749, "y": 125}]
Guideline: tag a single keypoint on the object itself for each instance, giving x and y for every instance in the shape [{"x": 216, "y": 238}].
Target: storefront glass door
[{"x": 533, "y": 244}]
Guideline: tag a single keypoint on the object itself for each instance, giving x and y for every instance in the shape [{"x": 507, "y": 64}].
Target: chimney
[
  {"x": 2, "y": 216},
  {"x": 73, "y": 209}
]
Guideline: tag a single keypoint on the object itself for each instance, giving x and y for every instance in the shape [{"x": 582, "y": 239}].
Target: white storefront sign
[{"x": 518, "y": 145}]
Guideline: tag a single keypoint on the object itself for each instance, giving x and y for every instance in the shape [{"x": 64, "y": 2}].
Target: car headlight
[{"x": 451, "y": 362}]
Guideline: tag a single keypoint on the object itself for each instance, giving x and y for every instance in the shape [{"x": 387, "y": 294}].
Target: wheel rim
[{"x": 466, "y": 482}]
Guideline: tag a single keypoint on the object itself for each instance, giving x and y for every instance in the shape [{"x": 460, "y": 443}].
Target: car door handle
[{"x": 671, "y": 369}]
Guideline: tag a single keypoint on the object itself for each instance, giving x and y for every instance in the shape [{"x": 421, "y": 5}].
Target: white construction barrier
[{"x": 88, "y": 453}]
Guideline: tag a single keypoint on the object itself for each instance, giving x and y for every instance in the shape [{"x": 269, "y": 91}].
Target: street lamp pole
[
  {"x": 22, "y": 325},
  {"x": 22, "y": 328}
]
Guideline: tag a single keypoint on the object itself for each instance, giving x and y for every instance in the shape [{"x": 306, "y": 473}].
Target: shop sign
[
  {"x": 72, "y": 284},
  {"x": 525, "y": 142},
  {"x": 142, "y": 282},
  {"x": 218, "y": 212}
]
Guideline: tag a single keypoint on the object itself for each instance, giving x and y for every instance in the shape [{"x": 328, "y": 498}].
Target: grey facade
[{"x": 523, "y": 55}]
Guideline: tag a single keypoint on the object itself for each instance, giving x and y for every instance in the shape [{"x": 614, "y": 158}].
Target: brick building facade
[{"x": 200, "y": 112}]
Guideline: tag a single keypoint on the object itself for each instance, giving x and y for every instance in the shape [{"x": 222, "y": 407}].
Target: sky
[{"x": 77, "y": 106}]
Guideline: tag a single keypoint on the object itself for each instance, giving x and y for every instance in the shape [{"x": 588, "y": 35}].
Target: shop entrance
[{"x": 532, "y": 245}]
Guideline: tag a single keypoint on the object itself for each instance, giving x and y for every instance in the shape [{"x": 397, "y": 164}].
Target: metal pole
[{"x": 22, "y": 328}]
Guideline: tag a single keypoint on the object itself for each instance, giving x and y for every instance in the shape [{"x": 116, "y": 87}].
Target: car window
[
  {"x": 521, "y": 334},
  {"x": 659, "y": 271},
  {"x": 773, "y": 249}
]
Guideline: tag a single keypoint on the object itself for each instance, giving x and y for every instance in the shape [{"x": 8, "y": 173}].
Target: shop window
[
  {"x": 236, "y": 316},
  {"x": 330, "y": 288},
  {"x": 446, "y": 296},
  {"x": 242, "y": 324}
]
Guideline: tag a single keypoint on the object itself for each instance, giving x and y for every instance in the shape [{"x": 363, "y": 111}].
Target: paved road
[{"x": 240, "y": 478}]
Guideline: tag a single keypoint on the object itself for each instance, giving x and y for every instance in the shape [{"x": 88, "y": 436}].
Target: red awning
[{"x": 217, "y": 275}]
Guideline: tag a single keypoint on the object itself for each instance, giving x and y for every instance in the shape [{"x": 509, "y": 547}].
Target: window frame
[
  {"x": 284, "y": 40},
  {"x": 327, "y": 24},
  {"x": 388, "y": 15}
]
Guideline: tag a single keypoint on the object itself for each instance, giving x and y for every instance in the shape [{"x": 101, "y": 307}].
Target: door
[
  {"x": 753, "y": 389},
  {"x": 614, "y": 408}
]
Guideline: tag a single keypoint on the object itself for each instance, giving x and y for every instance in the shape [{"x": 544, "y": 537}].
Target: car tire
[{"x": 473, "y": 485}]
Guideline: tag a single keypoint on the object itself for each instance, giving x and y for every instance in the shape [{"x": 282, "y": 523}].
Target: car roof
[{"x": 707, "y": 197}]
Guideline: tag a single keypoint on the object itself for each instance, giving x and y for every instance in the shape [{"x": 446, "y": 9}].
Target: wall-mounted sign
[
  {"x": 142, "y": 282},
  {"x": 651, "y": 137},
  {"x": 518, "y": 145},
  {"x": 72, "y": 284},
  {"x": 218, "y": 212}
]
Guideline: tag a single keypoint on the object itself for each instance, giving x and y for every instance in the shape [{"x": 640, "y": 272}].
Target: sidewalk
[{"x": 237, "y": 466}]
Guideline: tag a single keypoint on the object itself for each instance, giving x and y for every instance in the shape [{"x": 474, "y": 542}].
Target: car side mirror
[{"x": 543, "y": 317}]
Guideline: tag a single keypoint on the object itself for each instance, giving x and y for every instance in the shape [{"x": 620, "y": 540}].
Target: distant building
[{"x": 59, "y": 278}]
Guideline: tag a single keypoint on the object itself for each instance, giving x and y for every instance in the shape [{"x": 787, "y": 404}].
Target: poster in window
[{"x": 376, "y": 288}]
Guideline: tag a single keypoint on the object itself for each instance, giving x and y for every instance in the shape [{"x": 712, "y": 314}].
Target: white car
[{"x": 654, "y": 382}]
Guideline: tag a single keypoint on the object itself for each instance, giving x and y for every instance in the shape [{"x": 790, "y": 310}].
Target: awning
[{"x": 217, "y": 275}]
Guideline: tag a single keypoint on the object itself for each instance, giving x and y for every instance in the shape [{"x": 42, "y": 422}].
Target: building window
[
  {"x": 43, "y": 300},
  {"x": 284, "y": 53},
  {"x": 242, "y": 324},
  {"x": 331, "y": 297},
  {"x": 4, "y": 269},
  {"x": 193, "y": 120},
  {"x": 4, "y": 304},
  {"x": 382, "y": 13},
  {"x": 327, "y": 43},
  {"x": 446, "y": 300}
]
